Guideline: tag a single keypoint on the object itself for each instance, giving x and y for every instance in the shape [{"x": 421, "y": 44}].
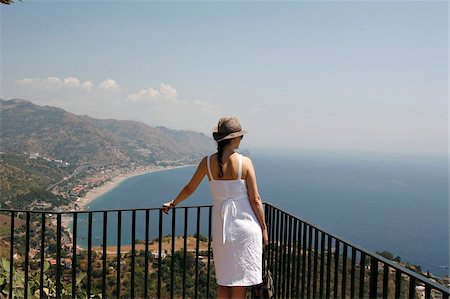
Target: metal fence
[
  {"x": 308, "y": 262},
  {"x": 143, "y": 253},
  {"x": 99, "y": 231}
]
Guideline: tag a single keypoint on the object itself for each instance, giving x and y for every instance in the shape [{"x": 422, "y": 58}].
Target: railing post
[
  {"x": 289, "y": 263},
  {"x": 316, "y": 254},
  {"x": 27, "y": 254},
  {"x": 133, "y": 250},
  {"x": 322, "y": 263},
  {"x": 344, "y": 271},
  {"x": 147, "y": 223},
  {"x": 197, "y": 243},
  {"x": 277, "y": 260},
  {"x": 299, "y": 259},
  {"x": 336, "y": 269},
  {"x": 104, "y": 241},
  {"x": 283, "y": 235},
  {"x": 362, "y": 271},
  {"x": 294, "y": 258},
  {"x": 11, "y": 258},
  {"x": 119, "y": 235},
  {"x": 209, "y": 253},
  {"x": 427, "y": 291},
  {"x": 172, "y": 251},
  {"x": 373, "y": 277},
  {"x": 385, "y": 280},
  {"x": 308, "y": 282},
  {"x": 398, "y": 283},
  {"x": 329, "y": 247},
  {"x": 412, "y": 288},
  {"x": 352, "y": 273},
  {"x": 74, "y": 254},
  {"x": 158, "y": 292},
  {"x": 89, "y": 255},
  {"x": 185, "y": 250},
  {"x": 41, "y": 277},
  {"x": 58, "y": 255},
  {"x": 305, "y": 231},
  {"x": 272, "y": 240}
]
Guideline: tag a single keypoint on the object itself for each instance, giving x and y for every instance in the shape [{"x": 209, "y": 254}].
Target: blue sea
[{"x": 382, "y": 202}]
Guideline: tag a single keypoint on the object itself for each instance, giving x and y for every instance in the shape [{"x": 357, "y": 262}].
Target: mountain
[{"x": 57, "y": 134}]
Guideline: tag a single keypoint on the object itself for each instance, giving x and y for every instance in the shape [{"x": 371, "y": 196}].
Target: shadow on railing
[{"x": 143, "y": 253}]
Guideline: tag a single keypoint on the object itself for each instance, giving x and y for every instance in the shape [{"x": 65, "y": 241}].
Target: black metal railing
[
  {"x": 143, "y": 253},
  {"x": 87, "y": 253},
  {"x": 308, "y": 262}
]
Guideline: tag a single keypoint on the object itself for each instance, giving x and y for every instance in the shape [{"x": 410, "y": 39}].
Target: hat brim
[{"x": 220, "y": 137}]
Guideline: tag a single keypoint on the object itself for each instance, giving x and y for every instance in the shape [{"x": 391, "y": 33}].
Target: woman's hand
[
  {"x": 167, "y": 206},
  {"x": 265, "y": 237}
]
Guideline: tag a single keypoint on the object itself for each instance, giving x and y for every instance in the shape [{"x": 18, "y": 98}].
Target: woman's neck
[{"x": 227, "y": 152}]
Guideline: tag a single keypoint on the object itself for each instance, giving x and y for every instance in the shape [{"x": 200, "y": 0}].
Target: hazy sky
[{"x": 369, "y": 76}]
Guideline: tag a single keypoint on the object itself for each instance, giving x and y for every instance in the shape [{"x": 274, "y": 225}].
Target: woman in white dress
[{"x": 239, "y": 228}]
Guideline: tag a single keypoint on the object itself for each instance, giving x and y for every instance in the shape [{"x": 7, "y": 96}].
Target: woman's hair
[{"x": 220, "y": 146}]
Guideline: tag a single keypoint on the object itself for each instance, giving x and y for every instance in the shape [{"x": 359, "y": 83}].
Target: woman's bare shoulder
[
  {"x": 247, "y": 165},
  {"x": 202, "y": 164},
  {"x": 247, "y": 160}
]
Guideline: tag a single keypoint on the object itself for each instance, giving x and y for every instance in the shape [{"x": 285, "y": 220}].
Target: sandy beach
[{"x": 83, "y": 202}]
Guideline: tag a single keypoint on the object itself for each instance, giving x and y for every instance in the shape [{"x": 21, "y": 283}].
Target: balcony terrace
[{"x": 141, "y": 253}]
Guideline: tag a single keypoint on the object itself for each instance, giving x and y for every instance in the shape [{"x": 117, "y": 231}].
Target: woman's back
[
  {"x": 230, "y": 168},
  {"x": 230, "y": 187}
]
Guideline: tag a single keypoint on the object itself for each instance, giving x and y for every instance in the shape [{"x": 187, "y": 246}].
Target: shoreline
[{"x": 82, "y": 202}]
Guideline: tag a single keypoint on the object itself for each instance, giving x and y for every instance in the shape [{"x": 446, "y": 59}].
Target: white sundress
[{"x": 237, "y": 236}]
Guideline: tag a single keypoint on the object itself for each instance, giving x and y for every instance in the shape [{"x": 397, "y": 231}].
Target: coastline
[{"x": 83, "y": 202}]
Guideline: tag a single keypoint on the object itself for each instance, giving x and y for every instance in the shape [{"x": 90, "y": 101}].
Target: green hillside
[{"x": 24, "y": 180}]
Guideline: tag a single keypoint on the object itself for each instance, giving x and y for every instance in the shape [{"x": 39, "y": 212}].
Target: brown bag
[{"x": 266, "y": 288}]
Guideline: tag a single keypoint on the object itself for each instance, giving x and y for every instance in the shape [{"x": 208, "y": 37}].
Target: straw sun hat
[{"x": 227, "y": 128}]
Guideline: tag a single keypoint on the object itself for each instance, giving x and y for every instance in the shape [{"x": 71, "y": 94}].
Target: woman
[{"x": 239, "y": 227}]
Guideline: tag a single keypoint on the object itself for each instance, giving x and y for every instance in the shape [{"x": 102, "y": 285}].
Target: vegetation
[
  {"x": 34, "y": 287},
  {"x": 181, "y": 265},
  {"x": 388, "y": 255},
  {"x": 201, "y": 237},
  {"x": 24, "y": 180}
]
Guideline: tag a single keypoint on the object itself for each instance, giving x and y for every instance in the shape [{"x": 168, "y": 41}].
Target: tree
[{"x": 386, "y": 254}]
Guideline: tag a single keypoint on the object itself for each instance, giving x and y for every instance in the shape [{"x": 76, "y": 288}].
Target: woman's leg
[
  {"x": 238, "y": 292},
  {"x": 223, "y": 292}
]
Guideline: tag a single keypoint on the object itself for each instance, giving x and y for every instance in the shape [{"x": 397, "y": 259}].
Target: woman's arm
[
  {"x": 255, "y": 199},
  {"x": 190, "y": 187}
]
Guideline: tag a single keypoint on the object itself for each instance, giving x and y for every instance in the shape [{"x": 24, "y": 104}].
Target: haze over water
[{"x": 395, "y": 203}]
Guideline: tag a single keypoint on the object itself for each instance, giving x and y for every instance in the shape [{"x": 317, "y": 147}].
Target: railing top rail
[
  {"x": 404, "y": 270},
  {"x": 96, "y": 211}
]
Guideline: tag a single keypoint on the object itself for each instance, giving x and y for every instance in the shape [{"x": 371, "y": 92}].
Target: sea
[{"x": 382, "y": 202}]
